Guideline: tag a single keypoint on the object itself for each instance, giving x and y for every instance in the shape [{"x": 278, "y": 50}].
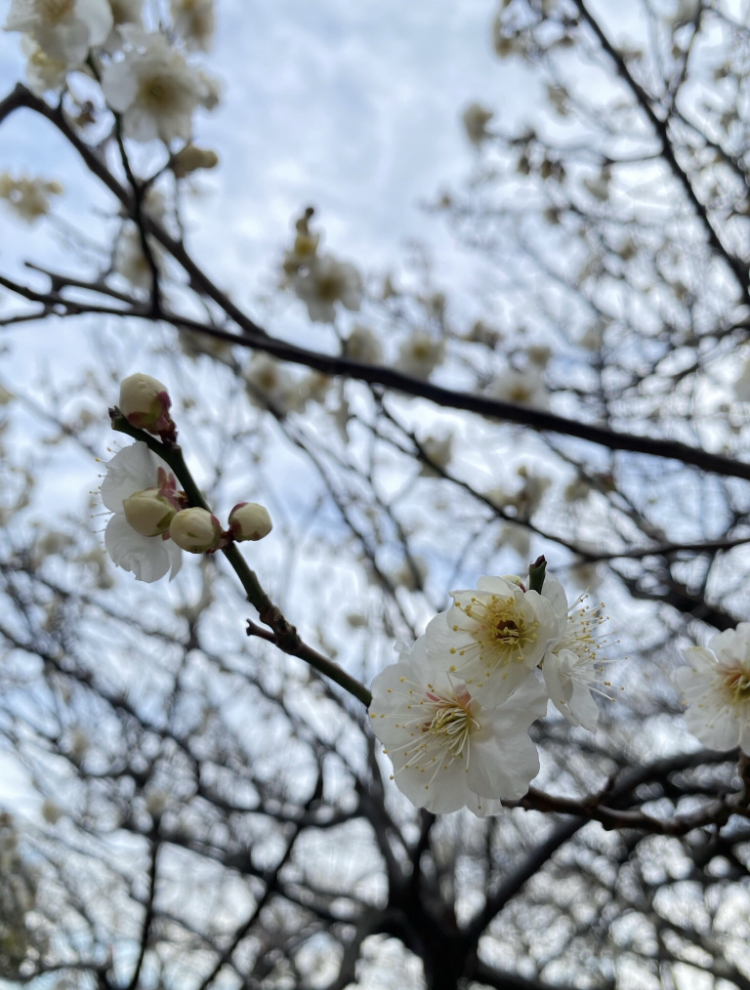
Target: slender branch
[
  {"x": 661, "y": 129},
  {"x": 285, "y": 635},
  {"x": 533, "y": 418},
  {"x": 148, "y": 917},
  {"x": 329, "y": 364}
]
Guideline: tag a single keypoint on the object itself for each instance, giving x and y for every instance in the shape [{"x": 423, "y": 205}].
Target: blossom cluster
[
  {"x": 152, "y": 520},
  {"x": 319, "y": 280},
  {"x": 453, "y": 714},
  {"x": 145, "y": 76}
]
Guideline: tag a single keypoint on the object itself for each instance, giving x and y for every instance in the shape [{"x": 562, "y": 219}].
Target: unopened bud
[
  {"x": 195, "y": 530},
  {"x": 145, "y": 402},
  {"x": 148, "y": 512},
  {"x": 249, "y": 521},
  {"x": 191, "y": 158}
]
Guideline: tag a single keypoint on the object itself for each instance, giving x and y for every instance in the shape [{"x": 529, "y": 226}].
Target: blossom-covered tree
[{"x": 322, "y": 754}]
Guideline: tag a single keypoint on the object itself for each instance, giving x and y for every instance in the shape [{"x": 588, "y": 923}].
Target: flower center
[
  {"x": 737, "y": 681},
  {"x": 155, "y": 93},
  {"x": 451, "y": 723},
  {"x": 502, "y": 632},
  {"x": 329, "y": 288}
]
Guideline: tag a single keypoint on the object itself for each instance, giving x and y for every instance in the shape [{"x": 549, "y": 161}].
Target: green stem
[{"x": 285, "y": 636}]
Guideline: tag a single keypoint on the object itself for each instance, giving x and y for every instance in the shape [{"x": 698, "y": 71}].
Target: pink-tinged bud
[
  {"x": 145, "y": 402},
  {"x": 148, "y": 512},
  {"x": 249, "y": 521},
  {"x": 196, "y": 530}
]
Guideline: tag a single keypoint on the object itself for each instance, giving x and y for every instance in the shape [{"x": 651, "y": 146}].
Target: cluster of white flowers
[
  {"x": 64, "y": 30},
  {"x": 144, "y": 76},
  {"x": 154, "y": 88},
  {"x": 716, "y": 686},
  {"x": 453, "y": 714},
  {"x": 152, "y": 521}
]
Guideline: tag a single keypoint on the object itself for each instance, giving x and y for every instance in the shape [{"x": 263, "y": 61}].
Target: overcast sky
[{"x": 354, "y": 108}]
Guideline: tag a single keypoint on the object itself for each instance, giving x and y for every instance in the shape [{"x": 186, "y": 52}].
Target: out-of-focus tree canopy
[{"x": 192, "y": 794}]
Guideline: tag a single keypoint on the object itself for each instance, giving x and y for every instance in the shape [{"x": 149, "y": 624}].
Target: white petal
[
  {"x": 502, "y": 766},
  {"x": 715, "y": 729},
  {"x": 145, "y": 556},
  {"x": 98, "y": 17},
  {"x": 119, "y": 85},
  {"x": 175, "y": 557},
  {"x": 553, "y": 591},
  {"x": 132, "y": 469}
]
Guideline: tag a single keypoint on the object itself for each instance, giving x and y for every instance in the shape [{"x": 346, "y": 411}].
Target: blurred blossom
[
  {"x": 194, "y": 22},
  {"x": 43, "y": 72},
  {"x": 191, "y": 158},
  {"x": 364, "y": 346},
  {"x": 522, "y": 388},
  {"x": 323, "y": 283},
  {"x": 716, "y": 685},
  {"x": 270, "y": 384},
  {"x": 475, "y": 119},
  {"x": 28, "y": 198},
  {"x": 63, "y": 29},
  {"x": 131, "y": 262},
  {"x": 420, "y": 354},
  {"x": 154, "y": 88}
]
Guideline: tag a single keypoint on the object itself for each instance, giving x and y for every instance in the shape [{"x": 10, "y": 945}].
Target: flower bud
[
  {"x": 145, "y": 402},
  {"x": 249, "y": 521},
  {"x": 148, "y": 512},
  {"x": 196, "y": 530}
]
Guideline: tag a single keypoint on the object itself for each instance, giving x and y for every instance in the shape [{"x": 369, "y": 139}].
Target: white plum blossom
[
  {"x": 448, "y": 750},
  {"x": 43, "y": 72},
  {"x": 191, "y": 158},
  {"x": 420, "y": 354},
  {"x": 28, "y": 198},
  {"x": 363, "y": 345},
  {"x": 270, "y": 384},
  {"x": 716, "y": 686},
  {"x": 529, "y": 496},
  {"x": 570, "y": 666},
  {"x": 324, "y": 282},
  {"x": 131, "y": 262},
  {"x": 475, "y": 119},
  {"x": 63, "y": 29},
  {"x": 132, "y": 471},
  {"x": 194, "y": 21},
  {"x": 493, "y": 637},
  {"x": 154, "y": 88},
  {"x": 522, "y": 388},
  {"x": 516, "y": 537}
]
